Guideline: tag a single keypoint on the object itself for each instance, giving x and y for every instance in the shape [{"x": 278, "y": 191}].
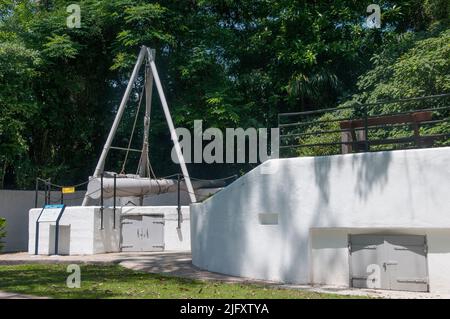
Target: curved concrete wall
[{"x": 288, "y": 219}]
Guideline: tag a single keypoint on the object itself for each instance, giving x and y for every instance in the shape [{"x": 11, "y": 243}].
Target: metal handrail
[
  {"x": 366, "y": 104},
  {"x": 291, "y": 132}
]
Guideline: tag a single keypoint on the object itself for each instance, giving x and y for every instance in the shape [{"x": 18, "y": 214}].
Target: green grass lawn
[{"x": 114, "y": 281}]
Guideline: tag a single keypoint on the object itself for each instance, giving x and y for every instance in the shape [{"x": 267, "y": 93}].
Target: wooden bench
[{"x": 353, "y": 137}]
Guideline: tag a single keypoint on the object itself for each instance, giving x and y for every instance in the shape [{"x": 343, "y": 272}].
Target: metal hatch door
[
  {"x": 406, "y": 262},
  {"x": 401, "y": 260},
  {"x": 365, "y": 250},
  {"x": 142, "y": 233}
]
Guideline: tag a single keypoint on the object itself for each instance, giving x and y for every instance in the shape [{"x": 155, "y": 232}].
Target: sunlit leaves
[
  {"x": 145, "y": 13},
  {"x": 17, "y": 100},
  {"x": 60, "y": 46}
]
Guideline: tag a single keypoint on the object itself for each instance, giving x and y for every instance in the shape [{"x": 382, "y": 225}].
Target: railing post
[
  {"x": 62, "y": 197},
  {"x": 101, "y": 201},
  {"x": 46, "y": 192},
  {"x": 366, "y": 130},
  {"x": 114, "y": 201},
  {"x": 49, "y": 191},
  {"x": 36, "y": 193},
  {"x": 179, "y": 201}
]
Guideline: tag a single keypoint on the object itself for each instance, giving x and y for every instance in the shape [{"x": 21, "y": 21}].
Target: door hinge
[{"x": 413, "y": 280}]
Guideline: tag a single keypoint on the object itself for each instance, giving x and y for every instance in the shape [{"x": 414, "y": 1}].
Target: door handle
[{"x": 388, "y": 263}]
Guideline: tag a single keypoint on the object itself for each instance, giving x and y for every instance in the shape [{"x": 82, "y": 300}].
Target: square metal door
[
  {"x": 142, "y": 233},
  {"x": 406, "y": 263}
]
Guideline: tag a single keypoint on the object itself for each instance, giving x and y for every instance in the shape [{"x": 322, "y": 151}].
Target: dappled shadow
[
  {"x": 230, "y": 224},
  {"x": 372, "y": 170}
]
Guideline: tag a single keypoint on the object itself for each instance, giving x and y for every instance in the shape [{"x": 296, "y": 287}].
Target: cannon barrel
[{"x": 135, "y": 186}]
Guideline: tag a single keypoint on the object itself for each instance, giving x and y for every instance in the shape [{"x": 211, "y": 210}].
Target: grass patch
[{"x": 114, "y": 281}]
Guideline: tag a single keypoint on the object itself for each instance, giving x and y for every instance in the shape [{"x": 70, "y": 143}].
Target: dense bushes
[
  {"x": 2, "y": 231},
  {"x": 411, "y": 65},
  {"x": 229, "y": 63}
]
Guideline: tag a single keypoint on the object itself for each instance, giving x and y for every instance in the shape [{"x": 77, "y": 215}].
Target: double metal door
[
  {"x": 395, "y": 262},
  {"x": 142, "y": 233}
]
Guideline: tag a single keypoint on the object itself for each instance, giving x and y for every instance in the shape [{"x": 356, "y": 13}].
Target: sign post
[{"x": 49, "y": 214}]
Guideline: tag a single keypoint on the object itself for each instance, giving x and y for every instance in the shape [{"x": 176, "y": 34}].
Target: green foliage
[
  {"x": 328, "y": 122},
  {"x": 2, "y": 231},
  {"x": 60, "y": 46},
  {"x": 18, "y": 102},
  {"x": 410, "y": 65},
  {"x": 437, "y": 9},
  {"x": 230, "y": 63}
]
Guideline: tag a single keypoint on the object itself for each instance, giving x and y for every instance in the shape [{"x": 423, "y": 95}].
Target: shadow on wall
[
  {"x": 297, "y": 239},
  {"x": 323, "y": 166},
  {"x": 372, "y": 170},
  {"x": 223, "y": 231},
  {"x": 215, "y": 228},
  {"x": 230, "y": 217},
  {"x": 235, "y": 230}
]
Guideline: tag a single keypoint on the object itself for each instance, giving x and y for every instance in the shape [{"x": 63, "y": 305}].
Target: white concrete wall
[
  {"x": 86, "y": 237},
  {"x": 14, "y": 207},
  {"x": 81, "y": 232},
  {"x": 174, "y": 238},
  {"x": 383, "y": 190},
  {"x": 330, "y": 257},
  {"x": 439, "y": 260},
  {"x": 106, "y": 239}
]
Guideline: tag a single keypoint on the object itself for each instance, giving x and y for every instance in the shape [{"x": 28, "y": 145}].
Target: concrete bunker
[{"x": 337, "y": 219}]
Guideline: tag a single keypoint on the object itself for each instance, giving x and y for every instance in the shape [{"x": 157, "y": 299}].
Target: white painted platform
[{"x": 81, "y": 232}]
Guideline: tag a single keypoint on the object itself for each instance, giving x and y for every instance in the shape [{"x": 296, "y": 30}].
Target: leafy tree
[
  {"x": 230, "y": 63},
  {"x": 18, "y": 103},
  {"x": 411, "y": 65}
]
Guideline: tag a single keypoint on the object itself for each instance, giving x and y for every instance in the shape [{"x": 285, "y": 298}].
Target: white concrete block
[
  {"x": 81, "y": 231},
  {"x": 174, "y": 238},
  {"x": 86, "y": 237}
]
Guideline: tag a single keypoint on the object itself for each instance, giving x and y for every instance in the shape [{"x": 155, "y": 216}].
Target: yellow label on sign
[{"x": 68, "y": 190}]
